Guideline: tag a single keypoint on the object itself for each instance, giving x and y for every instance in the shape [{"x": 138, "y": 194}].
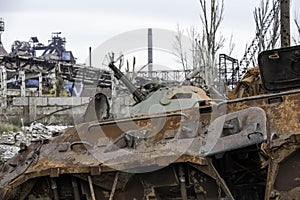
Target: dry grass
[{"x": 6, "y": 127}]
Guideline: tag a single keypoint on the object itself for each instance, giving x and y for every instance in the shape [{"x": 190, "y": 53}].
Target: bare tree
[
  {"x": 231, "y": 46},
  {"x": 180, "y": 53},
  {"x": 193, "y": 34},
  {"x": 206, "y": 44},
  {"x": 270, "y": 40},
  {"x": 296, "y": 38},
  {"x": 211, "y": 17}
]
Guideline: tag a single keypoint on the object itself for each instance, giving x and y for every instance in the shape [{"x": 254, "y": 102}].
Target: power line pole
[{"x": 285, "y": 23}]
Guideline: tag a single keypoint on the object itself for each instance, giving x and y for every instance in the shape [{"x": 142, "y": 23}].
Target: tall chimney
[
  {"x": 90, "y": 56},
  {"x": 150, "y": 52}
]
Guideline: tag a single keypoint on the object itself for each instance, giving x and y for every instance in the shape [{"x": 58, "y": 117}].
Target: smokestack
[
  {"x": 90, "y": 56},
  {"x": 285, "y": 23},
  {"x": 150, "y": 52}
]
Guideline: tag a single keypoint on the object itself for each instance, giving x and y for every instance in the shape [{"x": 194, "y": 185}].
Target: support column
[
  {"x": 40, "y": 85},
  {"x": 31, "y": 109},
  {"x": 22, "y": 87},
  {"x": 3, "y": 77}
]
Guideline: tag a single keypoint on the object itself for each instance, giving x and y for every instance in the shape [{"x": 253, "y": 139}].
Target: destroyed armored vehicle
[{"x": 178, "y": 143}]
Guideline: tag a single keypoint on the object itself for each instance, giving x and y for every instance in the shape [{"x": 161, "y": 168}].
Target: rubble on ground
[{"x": 10, "y": 142}]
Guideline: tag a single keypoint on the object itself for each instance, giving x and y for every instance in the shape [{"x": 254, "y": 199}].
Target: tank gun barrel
[{"x": 137, "y": 94}]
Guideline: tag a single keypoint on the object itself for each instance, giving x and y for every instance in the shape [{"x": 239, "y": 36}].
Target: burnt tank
[{"x": 177, "y": 143}]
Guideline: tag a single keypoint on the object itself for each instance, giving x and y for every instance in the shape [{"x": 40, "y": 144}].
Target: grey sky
[{"x": 91, "y": 22}]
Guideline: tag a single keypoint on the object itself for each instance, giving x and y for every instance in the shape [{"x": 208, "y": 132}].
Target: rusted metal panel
[
  {"x": 280, "y": 68},
  {"x": 282, "y": 110},
  {"x": 235, "y": 130},
  {"x": 283, "y": 114}
]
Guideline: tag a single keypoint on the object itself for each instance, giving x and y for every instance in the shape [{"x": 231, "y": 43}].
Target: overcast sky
[{"x": 92, "y": 22}]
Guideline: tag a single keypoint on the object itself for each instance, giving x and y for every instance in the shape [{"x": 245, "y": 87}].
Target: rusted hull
[
  {"x": 281, "y": 150},
  {"x": 73, "y": 165}
]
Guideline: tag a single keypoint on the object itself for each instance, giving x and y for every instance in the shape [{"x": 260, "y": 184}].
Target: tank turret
[{"x": 161, "y": 99}]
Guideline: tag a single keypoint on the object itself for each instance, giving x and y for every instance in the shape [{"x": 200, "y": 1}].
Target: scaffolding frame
[{"x": 229, "y": 72}]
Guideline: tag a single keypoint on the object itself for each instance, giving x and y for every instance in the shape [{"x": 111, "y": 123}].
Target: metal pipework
[{"x": 137, "y": 94}]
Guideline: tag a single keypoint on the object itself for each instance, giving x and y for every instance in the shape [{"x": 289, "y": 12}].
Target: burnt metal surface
[
  {"x": 235, "y": 131},
  {"x": 283, "y": 112},
  {"x": 280, "y": 68},
  {"x": 244, "y": 148},
  {"x": 288, "y": 176}
]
